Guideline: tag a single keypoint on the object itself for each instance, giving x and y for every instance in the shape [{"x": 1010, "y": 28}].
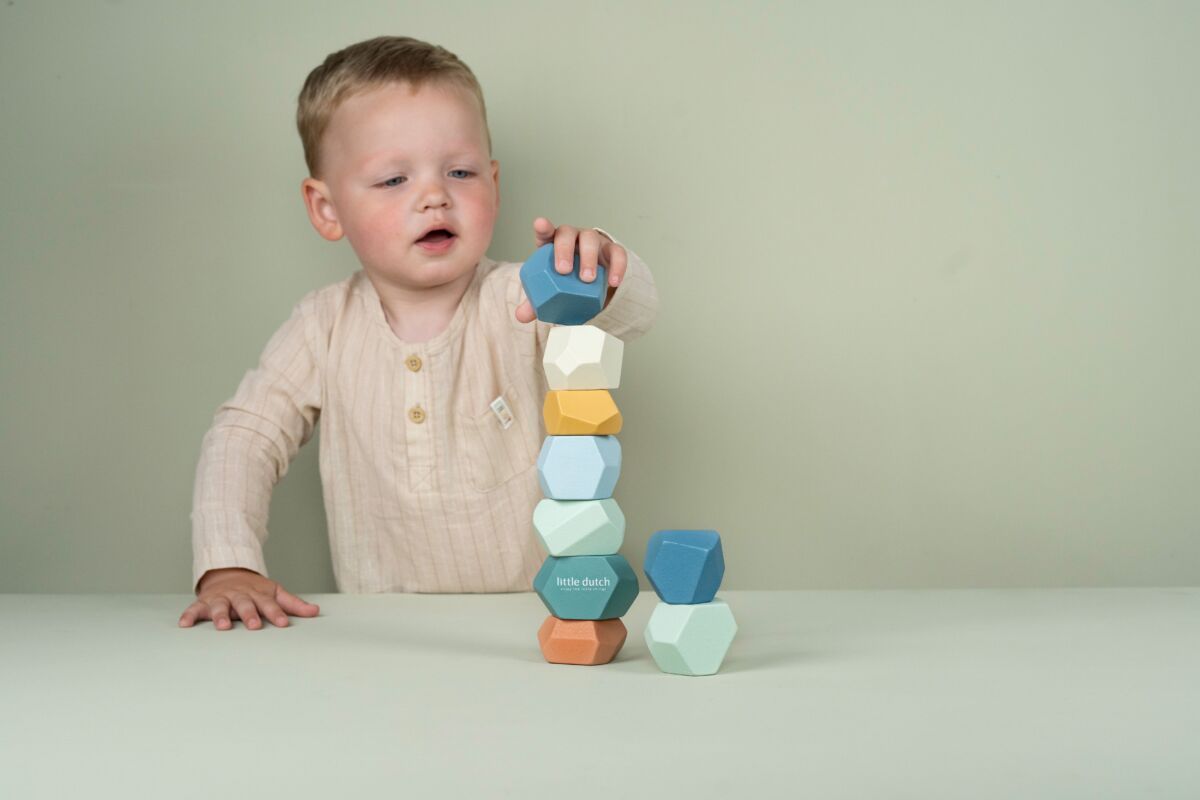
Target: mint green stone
[
  {"x": 580, "y": 527},
  {"x": 690, "y": 639}
]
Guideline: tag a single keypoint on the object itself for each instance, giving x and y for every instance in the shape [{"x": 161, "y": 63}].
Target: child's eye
[
  {"x": 467, "y": 171},
  {"x": 388, "y": 182}
]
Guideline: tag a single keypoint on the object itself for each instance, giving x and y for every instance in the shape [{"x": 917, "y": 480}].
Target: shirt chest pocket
[{"x": 502, "y": 439}]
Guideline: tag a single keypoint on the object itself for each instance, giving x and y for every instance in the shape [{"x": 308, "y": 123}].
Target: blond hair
[{"x": 368, "y": 65}]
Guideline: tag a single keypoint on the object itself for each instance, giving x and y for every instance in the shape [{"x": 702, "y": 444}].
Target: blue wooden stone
[
  {"x": 685, "y": 566},
  {"x": 587, "y": 587},
  {"x": 557, "y": 298},
  {"x": 579, "y": 467}
]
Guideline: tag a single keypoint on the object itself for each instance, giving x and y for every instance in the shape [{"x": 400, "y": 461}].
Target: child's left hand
[{"x": 594, "y": 248}]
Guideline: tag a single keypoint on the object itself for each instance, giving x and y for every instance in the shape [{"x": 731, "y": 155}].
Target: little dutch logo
[{"x": 580, "y": 584}]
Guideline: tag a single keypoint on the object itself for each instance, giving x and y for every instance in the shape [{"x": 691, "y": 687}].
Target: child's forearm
[{"x": 231, "y": 499}]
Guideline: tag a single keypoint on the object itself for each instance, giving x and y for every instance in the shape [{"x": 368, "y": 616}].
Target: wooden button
[
  {"x": 413, "y": 363},
  {"x": 416, "y": 414}
]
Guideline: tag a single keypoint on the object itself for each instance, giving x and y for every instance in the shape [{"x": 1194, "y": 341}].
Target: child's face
[{"x": 397, "y": 163}]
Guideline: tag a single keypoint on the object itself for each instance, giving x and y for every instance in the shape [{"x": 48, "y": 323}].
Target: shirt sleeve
[
  {"x": 634, "y": 306},
  {"x": 628, "y": 315},
  {"x": 252, "y": 441}
]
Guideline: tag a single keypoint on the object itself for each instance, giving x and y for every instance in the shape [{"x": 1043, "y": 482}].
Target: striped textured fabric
[{"x": 427, "y": 487}]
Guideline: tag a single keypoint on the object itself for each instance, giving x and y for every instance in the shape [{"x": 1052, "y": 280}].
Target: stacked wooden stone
[
  {"x": 690, "y": 631},
  {"x": 585, "y": 583}
]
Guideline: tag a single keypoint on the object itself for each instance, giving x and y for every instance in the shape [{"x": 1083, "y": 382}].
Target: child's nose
[{"x": 433, "y": 193}]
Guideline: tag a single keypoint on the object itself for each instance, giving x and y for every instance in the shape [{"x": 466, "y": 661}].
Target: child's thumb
[{"x": 294, "y": 605}]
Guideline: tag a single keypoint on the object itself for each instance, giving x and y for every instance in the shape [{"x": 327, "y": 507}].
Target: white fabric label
[{"x": 502, "y": 412}]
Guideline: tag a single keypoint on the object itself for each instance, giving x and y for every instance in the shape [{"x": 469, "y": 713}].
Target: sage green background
[{"x": 929, "y": 272}]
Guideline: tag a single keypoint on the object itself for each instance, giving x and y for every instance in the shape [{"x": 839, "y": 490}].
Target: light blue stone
[{"x": 579, "y": 467}]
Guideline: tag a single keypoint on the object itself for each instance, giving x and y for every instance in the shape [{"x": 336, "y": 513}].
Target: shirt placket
[{"x": 418, "y": 424}]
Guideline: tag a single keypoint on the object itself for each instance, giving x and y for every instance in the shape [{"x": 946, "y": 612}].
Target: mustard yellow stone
[{"x": 590, "y": 412}]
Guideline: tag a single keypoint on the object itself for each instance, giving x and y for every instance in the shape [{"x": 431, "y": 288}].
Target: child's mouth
[{"x": 437, "y": 241}]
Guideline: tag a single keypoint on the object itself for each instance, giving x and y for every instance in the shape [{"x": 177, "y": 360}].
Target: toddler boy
[{"x": 410, "y": 363}]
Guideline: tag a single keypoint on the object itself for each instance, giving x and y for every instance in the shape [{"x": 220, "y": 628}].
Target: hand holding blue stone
[{"x": 557, "y": 298}]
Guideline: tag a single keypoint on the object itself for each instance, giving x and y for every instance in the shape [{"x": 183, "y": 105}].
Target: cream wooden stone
[{"x": 582, "y": 357}]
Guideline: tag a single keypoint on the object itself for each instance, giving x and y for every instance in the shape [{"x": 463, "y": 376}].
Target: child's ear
[
  {"x": 496, "y": 180},
  {"x": 321, "y": 212}
]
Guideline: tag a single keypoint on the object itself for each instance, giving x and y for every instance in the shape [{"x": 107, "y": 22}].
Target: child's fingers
[
  {"x": 218, "y": 609},
  {"x": 564, "y": 249},
  {"x": 294, "y": 605},
  {"x": 525, "y": 312},
  {"x": 250, "y": 609},
  {"x": 270, "y": 609},
  {"x": 196, "y": 611},
  {"x": 246, "y": 610},
  {"x": 543, "y": 231},
  {"x": 589, "y": 255},
  {"x": 617, "y": 261}
]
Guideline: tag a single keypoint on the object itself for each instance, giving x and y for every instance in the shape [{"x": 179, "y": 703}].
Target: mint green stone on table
[{"x": 690, "y": 639}]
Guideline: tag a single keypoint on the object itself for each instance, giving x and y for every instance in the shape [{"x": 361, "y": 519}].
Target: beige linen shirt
[{"x": 425, "y": 489}]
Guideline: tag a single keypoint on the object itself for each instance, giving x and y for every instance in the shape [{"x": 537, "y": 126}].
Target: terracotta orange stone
[{"x": 581, "y": 641}]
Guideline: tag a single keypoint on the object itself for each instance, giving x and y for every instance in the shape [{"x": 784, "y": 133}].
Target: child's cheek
[
  {"x": 385, "y": 225},
  {"x": 483, "y": 210}
]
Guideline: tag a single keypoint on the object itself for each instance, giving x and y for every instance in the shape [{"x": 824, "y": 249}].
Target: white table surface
[{"x": 899, "y": 694}]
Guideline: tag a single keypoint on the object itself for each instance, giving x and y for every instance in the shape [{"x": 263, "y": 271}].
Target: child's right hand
[{"x": 246, "y": 594}]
